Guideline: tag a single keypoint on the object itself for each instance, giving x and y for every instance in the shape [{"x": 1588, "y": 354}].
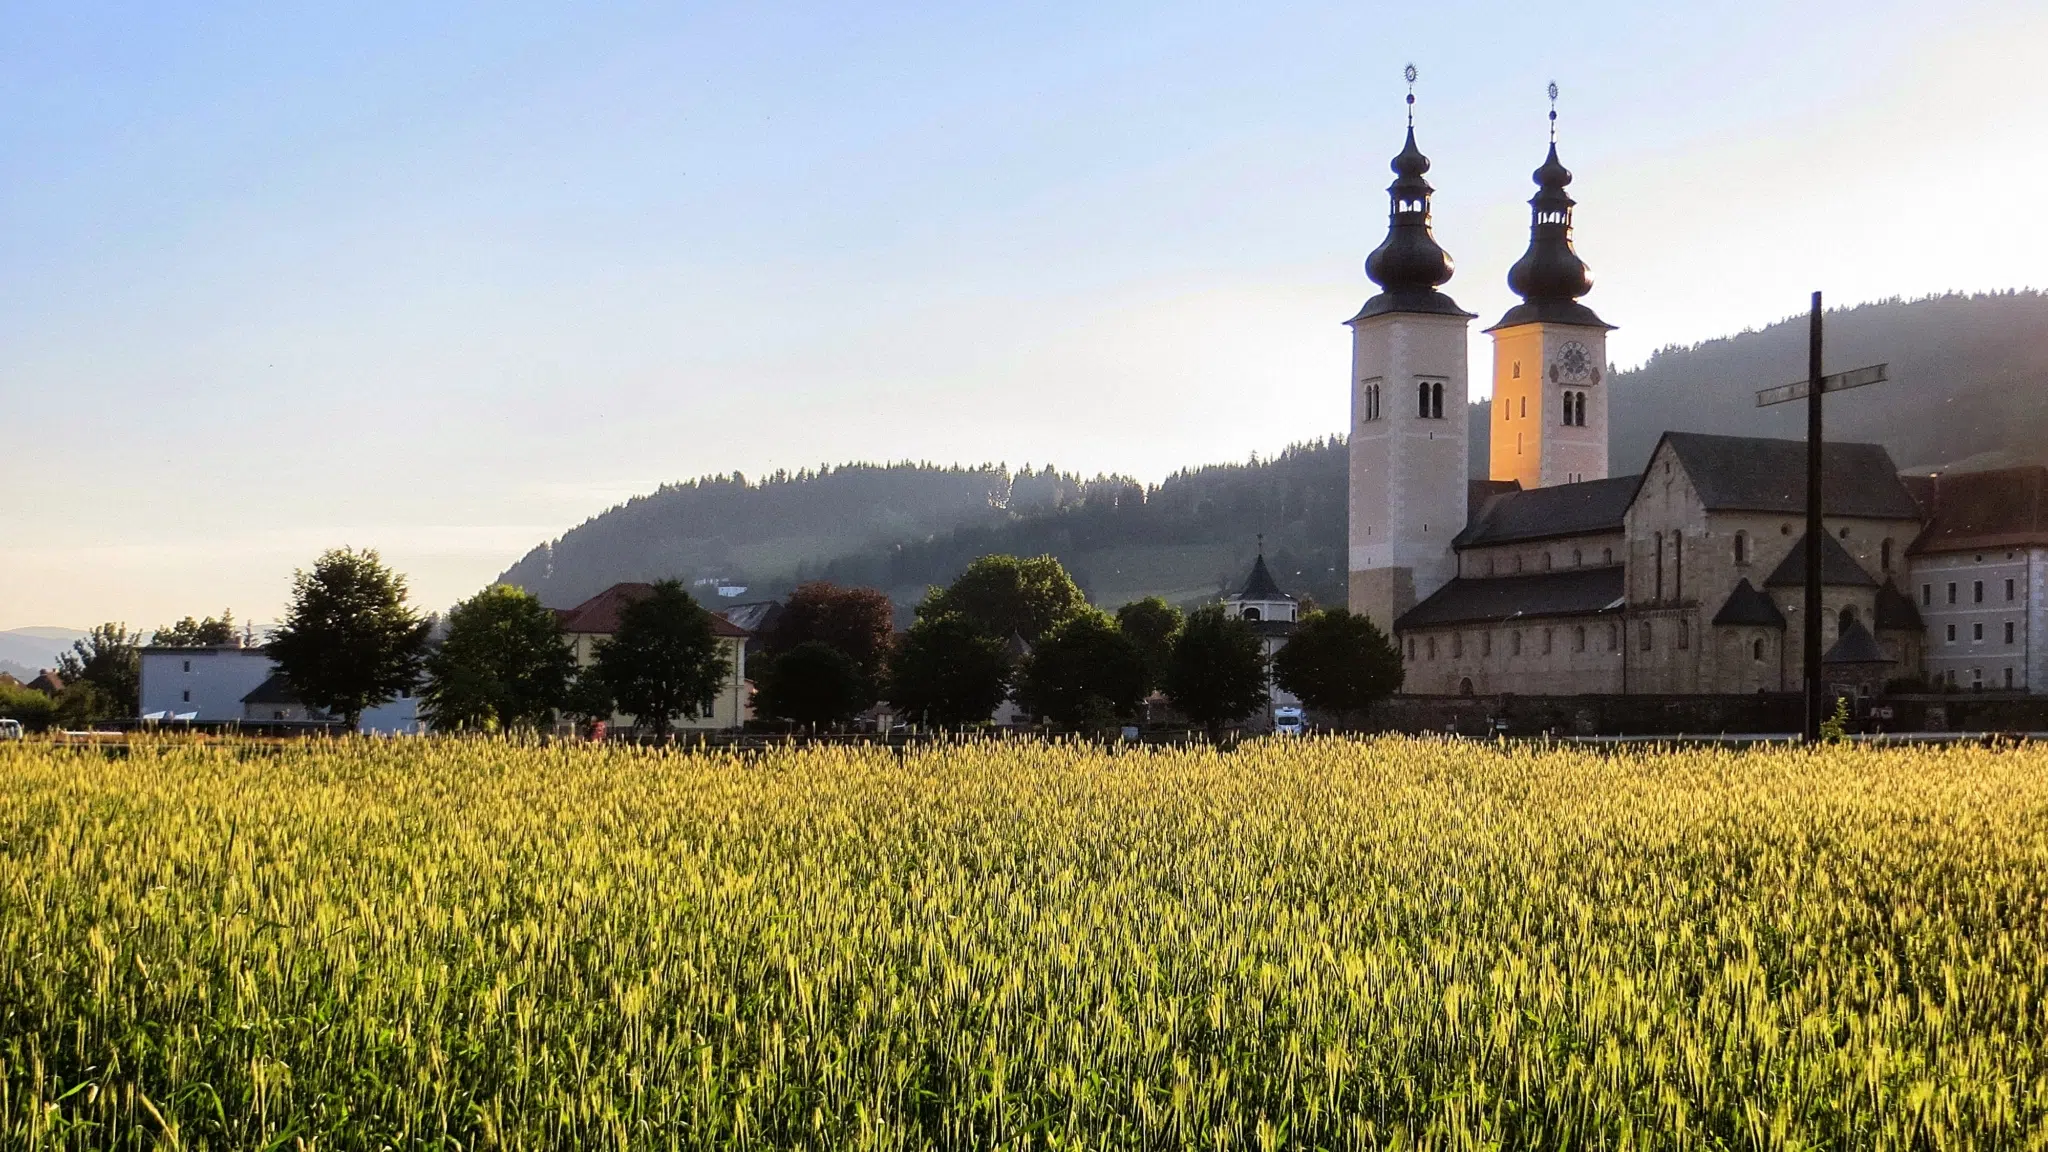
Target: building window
[
  {"x": 2008, "y": 677},
  {"x": 1486, "y": 643},
  {"x": 1756, "y": 650},
  {"x": 1518, "y": 565},
  {"x": 1489, "y": 565},
  {"x": 188, "y": 665},
  {"x": 1976, "y": 631},
  {"x": 1951, "y": 633},
  {"x": 1567, "y": 408},
  {"x": 1525, "y": 407},
  {"x": 1457, "y": 645},
  {"x": 1951, "y": 592},
  {"x": 186, "y": 695},
  {"x": 1614, "y": 637},
  {"x": 1884, "y": 555},
  {"x": 1927, "y": 595},
  {"x": 1976, "y": 679},
  {"x": 1846, "y": 618},
  {"x": 1685, "y": 633},
  {"x": 1251, "y": 614},
  {"x": 1436, "y": 401},
  {"x": 1578, "y": 558},
  {"x": 1607, "y": 555},
  {"x": 1518, "y": 370},
  {"x": 1430, "y": 647},
  {"x": 1546, "y": 641},
  {"x": 1644, "y": 629},
  {"x": 1742, "y": 547},
  {"x": 1677, "y": 567},
  {"x": 2008, "y": 631},
  {"x": 1579, "y": 639},
  {"x": 2008, "y": 589},
  {"x": 1422, "y": 399},
  {"x": 1411, "y": 647},
  {"x": 1546, "y": 561},
  {"x": 1515, "y": 643},
  {"x": 1977, "y": 592},
  {"x": 1581, "y": 418}
]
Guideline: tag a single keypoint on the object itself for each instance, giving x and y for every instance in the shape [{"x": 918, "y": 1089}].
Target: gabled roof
[
  {"x": 599, "y": 615},
  {"x": 1857, "y": 646},
  {"x": 1749, "y": 607},
  {"x": 1755, "y": 474},
  {"x": 1571, "y": 592},
  {"x": 7, "y": 680},
  {"x": 754, "y": 615},
  {"x": 1591, "y": 506},
  {"x": 1260, "y": 585},
  {"x": 2003, "y": 508},
  {"x": 1837, "y": 567},
  {"x": 47, "y": 682},
  {"x": 1895, "y": 610},
  {"x": 273, "y": 690}
]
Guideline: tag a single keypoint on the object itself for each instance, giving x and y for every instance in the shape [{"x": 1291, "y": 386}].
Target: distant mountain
[
  {"x": 25, "y": 651},
  {"x": 1968, "y": 389}
]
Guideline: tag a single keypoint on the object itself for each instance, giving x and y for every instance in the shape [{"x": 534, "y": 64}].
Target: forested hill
[
  {"x": 1185, "y": 539},
  {"x": 1968, "y": 387},
  {"x": 730, "y": 528}
]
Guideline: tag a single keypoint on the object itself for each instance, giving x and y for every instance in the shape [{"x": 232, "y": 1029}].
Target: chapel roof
[
  {"x": 1856, "y": 646},
  {"x": 1569, "y": 592},
  {"x": 1582, "y": 509},
  {"x": 1837, "y": 567},
  {"x": 1758, "y": 474},
  {"x": 1747, "y": 606}
]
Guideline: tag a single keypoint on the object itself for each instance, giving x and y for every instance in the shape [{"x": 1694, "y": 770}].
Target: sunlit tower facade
[{"x": 1549, "y": 417}]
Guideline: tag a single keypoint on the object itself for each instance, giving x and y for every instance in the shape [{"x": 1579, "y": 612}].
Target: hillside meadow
[{"x": 1309, "y": 944}]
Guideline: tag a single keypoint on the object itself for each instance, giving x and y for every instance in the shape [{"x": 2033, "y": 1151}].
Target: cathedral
[{"x": 1552, "y": 577}]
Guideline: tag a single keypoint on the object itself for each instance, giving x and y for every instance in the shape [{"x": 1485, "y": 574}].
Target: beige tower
[
  {"x": 1408, "y": 423},
  {"x": 1549, "y": 418}
]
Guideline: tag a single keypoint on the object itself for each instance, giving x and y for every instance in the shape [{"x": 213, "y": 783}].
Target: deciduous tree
[
  {"x": 948, "y": 672},
  {"x": 502, "y": 664},
  {"x": 1005, "y": 596},
  {"x": 1084, "y": 674},
  {"x": 1218, "y": 672},
  {"x": 814, "y": 685},
  {"x": 109, "y": 659},
  {"x": 1151, "y": 624},
  {"x": 1338, "y": 663},
  {"x": 190, "y": 633},
  {"x": 858, "y": 622},
  {"x": 349, "y": 641},
  {"x": 665, "y": 661}
]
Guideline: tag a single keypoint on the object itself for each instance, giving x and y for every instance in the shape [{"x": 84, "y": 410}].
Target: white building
[
  {"x": 1273, "y": 616},
  {"x": 1979, "y": 574},
  {"x": 228, "y": 684}
]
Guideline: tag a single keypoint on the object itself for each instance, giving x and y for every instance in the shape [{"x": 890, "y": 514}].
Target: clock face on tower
[{"x": 1573, "y": 362}]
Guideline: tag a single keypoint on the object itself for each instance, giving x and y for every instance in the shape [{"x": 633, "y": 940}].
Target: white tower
[
  {"x": 1549, "y": 418},
  {"x": 1408, "y": 389}
]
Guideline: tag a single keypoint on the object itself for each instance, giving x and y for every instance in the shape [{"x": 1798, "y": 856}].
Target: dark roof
[
  {"x": 1571, "y": 592},
  {"x": 1749, "y": 607},
  {"x": 1895, "y": 610},
  {"x": 273, "y": 690},
  {"x": 599, "y": 615},
  {"x": 1559, "y": 510},
  {"x": 2004, "y": 508},
  {"x": 1260, "y": 585},
  {"x": 1837, "y": 567},
  {"x": 1754, "y": 474},
  {"x": 754, "y": 616},
  {"x": 48, "y": 682},
  {"x": 1272, "y": 627},
  {"x": 1857, "y": 646}
]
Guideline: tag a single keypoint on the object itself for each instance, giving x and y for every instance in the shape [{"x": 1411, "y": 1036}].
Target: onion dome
[
  {"x": 1409, "y": 265},
  {"x": 1550, "y": 277}
]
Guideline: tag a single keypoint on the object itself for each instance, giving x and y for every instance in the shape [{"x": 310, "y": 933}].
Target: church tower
[
  {"x": 1408, "y": 415},
  {"x": 1549, "y": 419}
]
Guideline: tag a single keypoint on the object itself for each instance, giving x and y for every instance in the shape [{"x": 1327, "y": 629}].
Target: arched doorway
[{"x": 1465, "y": 686}]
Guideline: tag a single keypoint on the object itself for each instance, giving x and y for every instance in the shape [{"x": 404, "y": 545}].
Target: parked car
[
  {"x": 10, "y": 729},
  {"x": 1287, "y": 722}
]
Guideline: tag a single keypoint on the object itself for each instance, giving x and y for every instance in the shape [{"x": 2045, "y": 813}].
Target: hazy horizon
[{"x": 447, "y": 281}]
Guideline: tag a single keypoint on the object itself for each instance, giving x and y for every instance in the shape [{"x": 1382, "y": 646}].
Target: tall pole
[{"x": 1814, "y": 528}]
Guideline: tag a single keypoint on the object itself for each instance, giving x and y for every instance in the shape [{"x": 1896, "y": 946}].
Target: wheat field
[{"x": 1308, "y": 944}]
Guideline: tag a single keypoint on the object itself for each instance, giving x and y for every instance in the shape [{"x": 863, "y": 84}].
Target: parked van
[
  {"x": 10, "y": 729},
  {"x": 1287, "y": 722}
]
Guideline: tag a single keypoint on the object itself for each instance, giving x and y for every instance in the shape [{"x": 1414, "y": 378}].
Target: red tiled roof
[
  {"x": 2002, "y": 508},
  {"x": 599, "y": 615}
]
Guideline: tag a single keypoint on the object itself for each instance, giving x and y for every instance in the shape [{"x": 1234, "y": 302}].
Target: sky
[{"x": 445, "y": 280}]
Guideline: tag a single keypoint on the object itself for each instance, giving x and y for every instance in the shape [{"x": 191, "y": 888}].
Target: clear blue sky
[{"x": 444, "y": 280}]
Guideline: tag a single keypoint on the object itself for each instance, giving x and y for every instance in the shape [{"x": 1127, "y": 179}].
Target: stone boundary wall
[{"x": 1688, "y": 715}]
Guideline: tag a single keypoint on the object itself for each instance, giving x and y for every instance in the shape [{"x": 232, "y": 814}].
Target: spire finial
[
  {"x": 1553, "y": 111},
  {"x": 1262, "y": 535},
  {"x": 1409, "y": 74}
]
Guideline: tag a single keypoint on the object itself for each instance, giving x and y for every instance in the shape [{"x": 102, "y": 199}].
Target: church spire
[
  {"x": 1550, "y": 277},
  {"x": 1409, "y": 265}
]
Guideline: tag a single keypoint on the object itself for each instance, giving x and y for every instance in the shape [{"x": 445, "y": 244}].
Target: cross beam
[{"x": 1839, "y": 382}]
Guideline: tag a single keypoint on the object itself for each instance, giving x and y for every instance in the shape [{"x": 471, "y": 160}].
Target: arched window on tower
[
  {"x": 1422, "y": 399},
  {"x": 1581, "y": 418},
  {"x": 1436, "y": 401},
  {"x": 1567, "y": 408},
  {"x": 1742, "y": 547}
]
